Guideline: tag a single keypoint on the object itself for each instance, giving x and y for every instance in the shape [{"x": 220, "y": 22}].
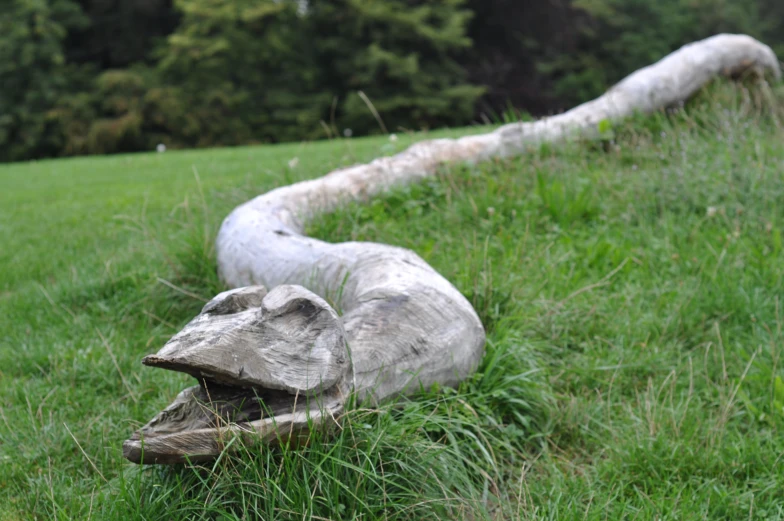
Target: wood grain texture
[
  {"x": 404, "y": 324},
  {"x": 264, "y": 361},
  {"x": 291, "y": 341},
  {"x": 202, "y": 421}
]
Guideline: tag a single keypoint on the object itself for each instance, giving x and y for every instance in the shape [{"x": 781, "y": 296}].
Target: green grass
[{"x": 631, "y": 292}]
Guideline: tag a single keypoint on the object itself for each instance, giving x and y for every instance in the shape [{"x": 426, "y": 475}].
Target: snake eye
[{"x": 234, "y": 301}]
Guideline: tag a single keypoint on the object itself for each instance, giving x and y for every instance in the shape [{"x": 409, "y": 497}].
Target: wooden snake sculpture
[{"x": 277, "y": 363}]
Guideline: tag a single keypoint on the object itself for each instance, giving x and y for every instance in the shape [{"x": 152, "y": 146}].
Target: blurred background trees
[{"x": 106, "y": 76}]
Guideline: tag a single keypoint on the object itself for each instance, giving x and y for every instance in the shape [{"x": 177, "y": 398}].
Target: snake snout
[{"x": 262, "y": 360}]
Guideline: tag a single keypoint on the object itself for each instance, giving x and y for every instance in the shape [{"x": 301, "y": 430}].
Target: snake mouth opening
[
  {"x": 272, "y": 365},
  {"x": 204, "y": 419}
]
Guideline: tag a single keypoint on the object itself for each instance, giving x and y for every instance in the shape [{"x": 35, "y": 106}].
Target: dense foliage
[
  {"x": 104, "y": 76},
  {"x": 622, "y": 35}
]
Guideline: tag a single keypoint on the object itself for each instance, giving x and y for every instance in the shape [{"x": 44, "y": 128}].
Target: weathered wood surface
[
  {"x": 291, "y": 340},
  {"x": 265, "y": 363},
  {"x": 202, "y": 421},
  {"x": 405, "y": 325}
]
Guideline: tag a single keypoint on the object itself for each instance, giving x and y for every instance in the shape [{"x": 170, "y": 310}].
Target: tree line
[{"x": 106, "y": 76}]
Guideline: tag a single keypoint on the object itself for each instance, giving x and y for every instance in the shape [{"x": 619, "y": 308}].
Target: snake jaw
[
  {"x": 192, "y": 430},
  {"x": 274, "y": 365}
]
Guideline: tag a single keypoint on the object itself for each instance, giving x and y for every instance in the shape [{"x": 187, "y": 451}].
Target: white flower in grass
[
  {"x": 160, "y": 148},
  {"x": 393, "y": 137},
  {"x": 712, "y": 210},
  {"x": 293, "y": 162}
]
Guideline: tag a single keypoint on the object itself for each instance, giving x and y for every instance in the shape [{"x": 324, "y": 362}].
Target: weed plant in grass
[{"x": 630, "y": 289}]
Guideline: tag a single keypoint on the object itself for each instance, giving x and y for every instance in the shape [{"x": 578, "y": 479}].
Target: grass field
[{"x": 631, "y": 292}]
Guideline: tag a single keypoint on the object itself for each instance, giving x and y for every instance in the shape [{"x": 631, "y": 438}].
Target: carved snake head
[{"x": 274, "y": 364}]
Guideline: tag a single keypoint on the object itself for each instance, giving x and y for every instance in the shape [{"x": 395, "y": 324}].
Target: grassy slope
[{"x": 631, "y": 299}]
